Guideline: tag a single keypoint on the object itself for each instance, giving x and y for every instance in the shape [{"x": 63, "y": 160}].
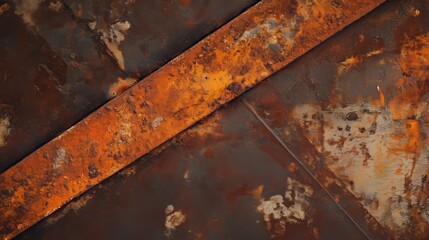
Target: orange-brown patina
[{"x": 213, "y": 72}]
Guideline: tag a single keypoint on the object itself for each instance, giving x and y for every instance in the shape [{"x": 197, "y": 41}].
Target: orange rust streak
[{"x": 213, "y": 72}]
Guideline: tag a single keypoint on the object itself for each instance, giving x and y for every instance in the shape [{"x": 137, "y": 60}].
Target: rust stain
[
  {"x": 120, "y": 86},
  {"x": 4, "y": 7},
  {"x": 213, "y": 72},
  {"x": 413, "y": 62},
  {"x": 380, "y": 147}
]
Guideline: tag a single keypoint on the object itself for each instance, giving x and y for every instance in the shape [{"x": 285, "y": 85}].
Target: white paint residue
[
  {"x": 370, "y": 152},
  {"x": 157, "y": 121},
  {"x": 281, "y": 31},
  {"x": 173, "y": 219},
  {"x": 169, "y": 209},
  {"x": 61, "y": 158},
  {"x": 92, "y": 25},
  {"x": 4, "y": 130},
  {"x": 113, "y": 38},
  {"x": 290, "y": 208}
]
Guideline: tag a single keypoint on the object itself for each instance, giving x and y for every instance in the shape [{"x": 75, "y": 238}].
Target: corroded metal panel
[
  {"x": 348, "y": 119},
  {"x": 227, "y": 178},
  {"x": 55, "y": 69},
  {"x": 143, "y": 35},
  {"x": 213, "y": 72},
  {"x": 357, "y": 117},
  {"x": 52, "y": 74}
]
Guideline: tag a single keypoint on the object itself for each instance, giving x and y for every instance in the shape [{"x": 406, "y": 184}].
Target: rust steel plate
[
  {"x": 55, "y": 69},
  {"x": 329, "y": 130},
  {"x": 216, "y": 70},
  {"x": 226, "y": 178}
]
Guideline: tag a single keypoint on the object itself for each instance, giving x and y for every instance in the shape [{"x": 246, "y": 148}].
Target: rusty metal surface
[
  {"x": 213, "y": 72},
  {"x": 349, "y": 120},
  {"x": 227, "y": 178},
  {"x": 143, "y": 35},
  {"x": 52, "y": 74},
  {"x": 357, "y": 117},
  {"x": 55, "y": 68}
]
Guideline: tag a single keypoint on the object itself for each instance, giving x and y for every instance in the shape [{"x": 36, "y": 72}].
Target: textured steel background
[
  {"x": 55, "y": 69},
  {"x": 333, "y": 146}
]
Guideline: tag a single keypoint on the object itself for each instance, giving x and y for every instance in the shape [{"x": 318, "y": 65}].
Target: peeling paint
[
  {"x": 92, "y": 25},
  {"x": 173, "y": 220},
  {"x": 113, "y": 38},
  {"x": 288, "y": 208},
  {"x": 157, "y": 121},
  {"x": 61, "y": 158},
  {"x": 381, "y": 153}
]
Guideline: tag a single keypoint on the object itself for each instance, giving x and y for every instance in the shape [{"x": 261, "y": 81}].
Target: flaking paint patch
[
  {"x": 113, "y": 37},
  {"x": 378, "y": 147},
  {"x": 4, "y": 130},
  {"x": 372, "y": 153},
  {"x": 289, "y": 208},
  {"x": 157, "y": 122},
  {"x": 26, "y": 8},
  {"x": 282, "y": 32},
  {"x": 61, "y": 158},
  {"x": 173, "y": 219}
]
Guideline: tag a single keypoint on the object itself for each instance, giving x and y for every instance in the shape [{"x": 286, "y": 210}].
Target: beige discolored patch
[
  {"x": 61, "y": 158},
  {"x": 156, "y": 122},
  {"x": 113, "y": 37},
  {"x": 26, "y": 8},
  {"x": 383, "y": 160},
  {"x": 289, "y": 208},
  {"x": 4, "y": 130},
  {"x": 120, "y": 86},
  {"x": 173, "y": 219}
]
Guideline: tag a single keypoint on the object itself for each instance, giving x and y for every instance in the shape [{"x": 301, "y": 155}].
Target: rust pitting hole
[
  {"x": 93, "y": 171},
  {"x": 352, "y": 116},
  {"x": 234, "y": 88}
]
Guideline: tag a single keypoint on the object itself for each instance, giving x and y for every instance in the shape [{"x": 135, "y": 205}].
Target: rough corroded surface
[
  {"x": 52, "y": 74},
  {"x": 213, "y": 72},
  {"x": 337, "y": 109},
  {"x": 143, "y": 35},
  {"x": 55, "y": 70},
  {"x": 227, "y": 178},
  {"x": 363, "y": 112}
]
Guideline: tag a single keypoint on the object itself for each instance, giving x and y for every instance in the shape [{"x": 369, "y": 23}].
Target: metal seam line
[
  {"x": 279, "y": 140},
  {"x": 216, "y": 70}
]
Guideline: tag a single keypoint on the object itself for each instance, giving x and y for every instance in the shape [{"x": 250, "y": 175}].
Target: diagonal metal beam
[{"x": 213, "y": 72}]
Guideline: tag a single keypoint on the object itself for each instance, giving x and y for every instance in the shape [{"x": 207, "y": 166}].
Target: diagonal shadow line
[{"x": 283, "y": 144}]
